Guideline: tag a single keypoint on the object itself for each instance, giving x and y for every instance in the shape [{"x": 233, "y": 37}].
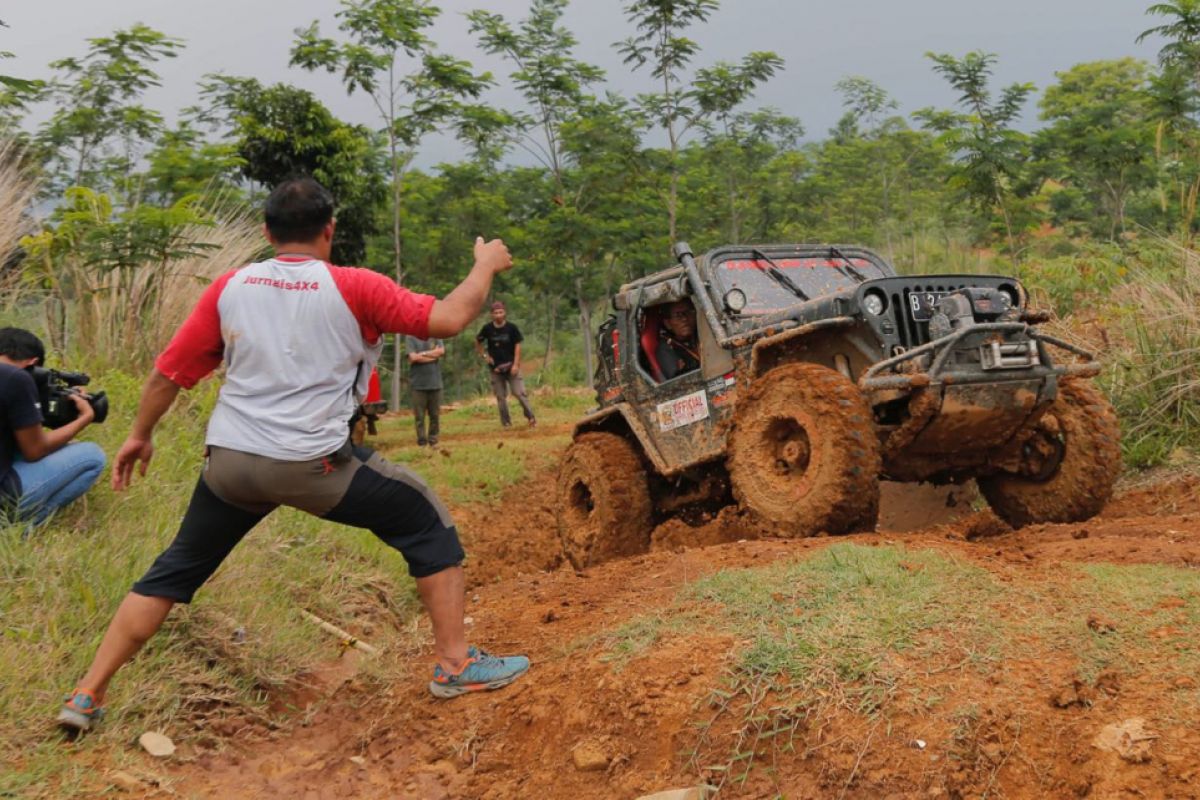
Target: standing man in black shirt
[
  {"x": 425, "y": 380},
  {"x": 503, "y": 356}
]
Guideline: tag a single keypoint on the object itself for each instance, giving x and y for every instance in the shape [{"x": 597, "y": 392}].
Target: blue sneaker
[
  {"x": 481, "y": 671},
  {"x": 80, "y": 712}
]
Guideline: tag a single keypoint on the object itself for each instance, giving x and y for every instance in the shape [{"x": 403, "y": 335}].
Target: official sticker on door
[{"x": 682, "y": 411}]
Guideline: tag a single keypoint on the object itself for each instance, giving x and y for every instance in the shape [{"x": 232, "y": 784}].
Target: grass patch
[
  {"x": 636, "y": 637},
  {"x": 476, "y": 460},
  {"x": 839, "y": 630},
  {"x": 838, "y": 620},
  {"x": 1154, "y": 613}
]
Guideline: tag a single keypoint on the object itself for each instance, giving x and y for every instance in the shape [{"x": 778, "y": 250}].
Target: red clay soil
[{"x": 578, "y": 727}]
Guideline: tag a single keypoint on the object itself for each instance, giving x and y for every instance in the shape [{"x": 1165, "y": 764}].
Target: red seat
[{"x": 651, "y": 324}]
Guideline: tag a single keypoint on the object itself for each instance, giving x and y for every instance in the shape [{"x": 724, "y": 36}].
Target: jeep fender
[
  {"x": 817, "y": 343},
  {"x": 620, "y": 419}
]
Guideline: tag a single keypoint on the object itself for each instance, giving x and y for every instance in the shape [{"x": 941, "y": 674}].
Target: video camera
[{"x": 54, "y": 389}]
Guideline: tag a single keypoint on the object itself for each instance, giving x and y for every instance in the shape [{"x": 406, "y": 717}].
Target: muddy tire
[
  {"x": 803, "y": 454},
  {"x": 1077, "y": 448},
  {"x": 603, "y": 502}
]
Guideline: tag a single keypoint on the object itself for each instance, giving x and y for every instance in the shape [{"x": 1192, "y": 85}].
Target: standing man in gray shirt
[{"x": 425, "y": 376}]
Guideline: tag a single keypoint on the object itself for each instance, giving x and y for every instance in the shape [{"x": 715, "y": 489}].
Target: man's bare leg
[
  {"x": 443, "y": 594},
  {"x": 136, "y": 620}
]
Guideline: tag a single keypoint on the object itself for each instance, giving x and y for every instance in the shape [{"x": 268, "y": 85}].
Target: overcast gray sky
[{"x": 821, "y": 42}]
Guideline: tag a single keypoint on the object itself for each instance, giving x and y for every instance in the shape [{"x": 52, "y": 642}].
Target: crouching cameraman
[{"x": 39, "y": 471}]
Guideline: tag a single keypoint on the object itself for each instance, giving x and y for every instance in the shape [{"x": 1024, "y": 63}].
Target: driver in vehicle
[{"x": 678, "y": 350}]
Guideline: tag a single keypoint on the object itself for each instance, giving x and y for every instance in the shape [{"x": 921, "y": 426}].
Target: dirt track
[{"x": 1032, "y": 737}]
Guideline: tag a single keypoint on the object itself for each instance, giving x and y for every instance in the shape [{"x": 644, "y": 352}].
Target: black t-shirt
[
  {"x": 675, "y": 357},
  {"x": 18, "y": 409},
  {"x": 501, "y": 342}
]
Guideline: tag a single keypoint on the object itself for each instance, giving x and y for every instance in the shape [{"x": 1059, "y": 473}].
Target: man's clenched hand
[{"x": 493, "y": 254}]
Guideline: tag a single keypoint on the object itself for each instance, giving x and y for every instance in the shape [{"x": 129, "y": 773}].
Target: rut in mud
[{"x": 594, "y": 720}]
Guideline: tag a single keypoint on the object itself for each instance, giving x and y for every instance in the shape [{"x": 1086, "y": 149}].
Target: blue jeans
[{"x": 52, "y": 481}]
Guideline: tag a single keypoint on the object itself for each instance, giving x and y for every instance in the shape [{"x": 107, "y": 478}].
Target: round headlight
[
  {"x": 873, "y": 303},
  {"x": 735, "y": 300},
  {"x": 1011, "y": 297}
]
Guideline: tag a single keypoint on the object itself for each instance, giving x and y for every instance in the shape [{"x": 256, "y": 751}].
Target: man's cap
[{"x": 497, "y": 306}]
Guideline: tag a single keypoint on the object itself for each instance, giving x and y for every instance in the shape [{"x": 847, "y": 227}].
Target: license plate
[{"x": 920, "y": 304}]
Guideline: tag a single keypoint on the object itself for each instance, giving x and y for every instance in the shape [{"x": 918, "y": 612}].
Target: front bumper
[{"x": 1007, "y": 351}]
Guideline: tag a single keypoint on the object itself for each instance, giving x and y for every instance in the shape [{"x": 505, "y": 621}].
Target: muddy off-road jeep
[{"x": 822, "y": 372}]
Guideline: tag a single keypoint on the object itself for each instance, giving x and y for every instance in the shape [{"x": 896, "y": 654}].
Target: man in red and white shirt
[{"x": 299, "y": 338}]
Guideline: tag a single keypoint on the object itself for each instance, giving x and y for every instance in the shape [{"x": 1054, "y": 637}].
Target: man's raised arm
[{"x": 452, "y": 314}]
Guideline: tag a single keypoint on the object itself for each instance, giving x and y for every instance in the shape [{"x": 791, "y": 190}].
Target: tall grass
[
  {"x": 17, "y": 191},
  {"x": 1154, "y": 378},
  {"x": 122, "y": 316},
  {"x": 155, "y": 298}
]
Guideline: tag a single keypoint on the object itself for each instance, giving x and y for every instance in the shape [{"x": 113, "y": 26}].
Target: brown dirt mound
[{"x": 1173, "y": 495}]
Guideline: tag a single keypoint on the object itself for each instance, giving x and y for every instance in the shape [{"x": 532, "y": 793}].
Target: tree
[
  {"x": 660, "y": 45},
  {"x": 1172, "y": 105},
  {"x": 281, "y": 131},
  {"x": 731, "y": 166},
  {"x": 9, "y": 82},
  {"x": 411, "y": 104},
  {"x": 122, "y": 254},
  {"x": 1182, "y": 32},
  {"x": 553, "y": 83},
  {"x": 990, "y": 152},
  {"x": 718, "y": 91},
  {"x": 183, "y": 163},
  {"x": 875, "y": 180},
  {"x": 95, "y": 134},
  {"x": 1101, "y": 131},
  {"x": 866, "y": 104}
]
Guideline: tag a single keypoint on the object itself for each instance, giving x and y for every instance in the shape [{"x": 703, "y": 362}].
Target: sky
[{"x": 820, "y": 42}]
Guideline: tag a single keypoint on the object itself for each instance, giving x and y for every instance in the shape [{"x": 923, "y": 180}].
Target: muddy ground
[{"x": 1035, "y": 733}]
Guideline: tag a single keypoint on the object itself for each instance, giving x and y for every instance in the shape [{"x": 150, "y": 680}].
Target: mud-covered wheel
[
  {"x": 603, "y": 503},
  {"x": 1068, "y": 466},
  {"x": 803, "y": 454}
]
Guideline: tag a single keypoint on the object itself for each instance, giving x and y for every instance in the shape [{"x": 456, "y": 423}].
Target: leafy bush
[{"x": 1068, "y": 283}]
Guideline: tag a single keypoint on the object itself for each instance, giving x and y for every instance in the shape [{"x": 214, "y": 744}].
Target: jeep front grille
[{"x": 913, "y": 332}]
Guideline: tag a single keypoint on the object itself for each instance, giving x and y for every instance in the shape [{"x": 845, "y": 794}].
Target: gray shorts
[{"x": 354, "y": 486}]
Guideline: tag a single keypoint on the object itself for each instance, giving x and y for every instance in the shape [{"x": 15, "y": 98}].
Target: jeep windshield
[{"x": 814, "y": 275}]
